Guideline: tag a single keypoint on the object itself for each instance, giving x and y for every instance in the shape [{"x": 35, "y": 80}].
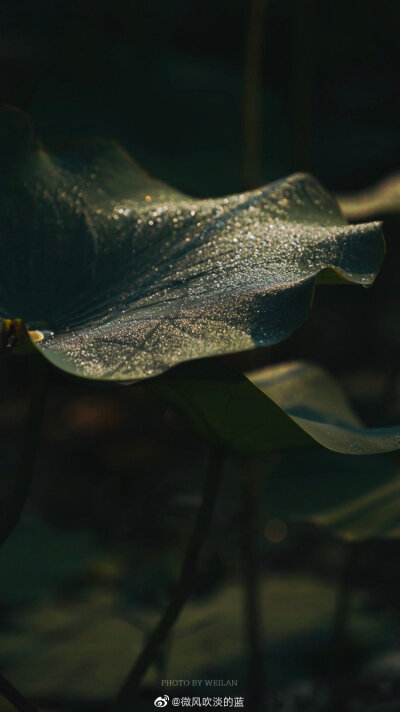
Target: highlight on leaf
[
  {"x": 284, "y": 406},
  {"x": 315, "y": 402},
  {"x": 381, "y": 199}
]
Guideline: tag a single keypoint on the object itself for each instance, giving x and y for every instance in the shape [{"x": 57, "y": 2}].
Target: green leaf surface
[
  {"x": 304, "y": 406},
  {"x": 315, "y": 402},
  {"x": 382, "y": 199},
  {"x": 127, "y": 277},
  {"x": 227, "y": 408}
]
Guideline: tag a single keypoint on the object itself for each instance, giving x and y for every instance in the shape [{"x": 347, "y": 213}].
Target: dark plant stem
[
  {"x": 340, "y": 624},
  {"x": 252, "y": 94},
  {"x": 256, "y": 681},
  {"x": 31, "y": 437},
  {"x": 303, "y": 69},
  {"x": 343, "y": 605},
  {"x": 12, "y": 695},
  {"x": 183, "y": 588}
]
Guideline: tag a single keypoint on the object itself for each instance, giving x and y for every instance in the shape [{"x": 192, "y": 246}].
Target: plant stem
[
  {"x": 340, "y": 624},
  {"x": 32, "y": 431},
  {"x": 252, "y": 95},
  {"x": 303, "y": 79},
  {"x": 12, "y": 695},
  {"x": 183, "y": 588},
  {"x": 251, "y": 578}
]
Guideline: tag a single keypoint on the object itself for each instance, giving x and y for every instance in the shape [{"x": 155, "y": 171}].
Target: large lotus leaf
[
  {"x": 354, "y": 497},
  {"x": 382, "y": 199},
  {"x": 127, "y": 277},
  {"x": 304, "y": 406}
]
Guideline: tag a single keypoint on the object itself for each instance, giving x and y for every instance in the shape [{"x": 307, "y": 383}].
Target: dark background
[
  {"x": 117, "y": 485},
  {"x": 166, "y": 79}
]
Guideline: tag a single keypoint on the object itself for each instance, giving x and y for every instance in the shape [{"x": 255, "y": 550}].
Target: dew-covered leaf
[
  {"x": 291, "y": 405},
  {"x": 127, "y": 277},
  {"x": 379, "y": 200}
]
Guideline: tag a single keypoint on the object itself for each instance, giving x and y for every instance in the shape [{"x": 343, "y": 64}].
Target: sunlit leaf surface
[
  {"x": 127, "y": 277},
  {"x": 304, "y": 406},
  {"x": 382, "y": 199},
  {"x": 315, "y": 402}
]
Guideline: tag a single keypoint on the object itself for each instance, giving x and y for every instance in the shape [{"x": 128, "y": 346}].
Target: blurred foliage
[
  {"x": 65, "y": 636},
  {"x": 79, "y": 605},
  {"x": 356, "y": 498},
  {"x": 380, "y": 200},
  {"x": 40, "y": 558}
]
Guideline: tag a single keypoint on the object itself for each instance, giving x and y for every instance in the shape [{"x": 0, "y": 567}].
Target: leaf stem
[
  {"x": 31, "y": 437},
  {"x": 183, "y": 588},
  {"x": 12, "y": 695},
  {"x": 342, "y": 614},
  {"x": 252, "y": 94},
  {"x": 252, "y": 596},
  {"x": 303, "y": 80}
]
